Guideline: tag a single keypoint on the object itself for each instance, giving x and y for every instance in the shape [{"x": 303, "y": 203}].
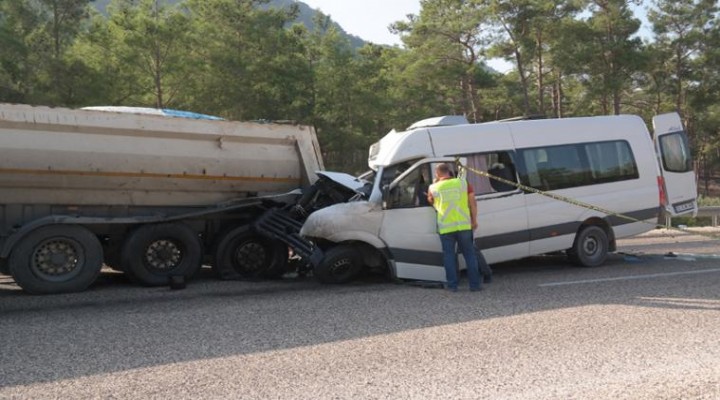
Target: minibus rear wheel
[{"x": 591, "y": 247}]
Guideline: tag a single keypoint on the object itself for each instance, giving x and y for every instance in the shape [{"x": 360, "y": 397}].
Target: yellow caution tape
[{"x": 577, "y": 202}]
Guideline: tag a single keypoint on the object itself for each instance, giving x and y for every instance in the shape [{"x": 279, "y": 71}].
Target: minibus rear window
[{"x": 675, "y": 153}]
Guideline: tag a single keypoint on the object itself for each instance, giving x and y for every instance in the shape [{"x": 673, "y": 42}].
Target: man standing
[{"x": 454, "y": 201}]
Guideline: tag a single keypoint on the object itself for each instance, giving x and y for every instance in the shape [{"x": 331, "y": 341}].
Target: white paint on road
[
  {"x": 697, "y": 255},
  {"x": 706, "y": 304},
  {"x": 630, "y": 277}
]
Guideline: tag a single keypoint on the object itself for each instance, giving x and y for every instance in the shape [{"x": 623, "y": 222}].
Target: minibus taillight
[{"x": 661, "y": 191}]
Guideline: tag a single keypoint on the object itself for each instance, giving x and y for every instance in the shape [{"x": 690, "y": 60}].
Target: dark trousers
[
  {"x": 463, "y": 240},
  {"x": 485, "y": 269}
]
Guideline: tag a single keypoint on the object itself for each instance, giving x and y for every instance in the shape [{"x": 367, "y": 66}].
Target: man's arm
[
  {"x": 473, "y": 209},
  {"x": 430, "y": 197}
]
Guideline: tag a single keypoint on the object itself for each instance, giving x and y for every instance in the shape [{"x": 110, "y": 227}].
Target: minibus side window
[
  {"x": 535, "y": 160},
  {"x": 582, "y": 164},
  {"x": 611, "y": 161},
  {"x": 498, "y": 164},
  {"x": 555, "y": 167},
  {"x": 675, "y": 153}
]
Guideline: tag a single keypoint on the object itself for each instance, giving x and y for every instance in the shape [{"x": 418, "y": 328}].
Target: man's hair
[{"x": 443, "y": 169}]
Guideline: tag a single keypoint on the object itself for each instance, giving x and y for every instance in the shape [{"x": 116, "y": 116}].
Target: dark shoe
[
  {"x": 487, "y": 279},
  {"x": 452, "y": 289},
  {"x": 477, "y": 289}
]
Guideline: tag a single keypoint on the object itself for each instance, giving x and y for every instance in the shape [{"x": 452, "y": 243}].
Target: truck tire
[
  {"x": 154, "y": 253},
  {"x": 56, "y": 259},
  {"x": 340, "y": 264},
  {"x": 242, "y": 253},
  {"x": 591, "y": 247}
]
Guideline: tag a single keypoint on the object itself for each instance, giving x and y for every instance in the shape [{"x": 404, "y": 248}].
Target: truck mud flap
[{"x": 279, "y": 225}]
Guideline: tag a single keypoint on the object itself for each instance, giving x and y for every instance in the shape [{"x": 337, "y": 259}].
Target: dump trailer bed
[{"x": 78, "y": 157}]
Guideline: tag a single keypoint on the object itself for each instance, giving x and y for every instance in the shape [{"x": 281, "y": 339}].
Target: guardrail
[{"x": 708, "y": 211}]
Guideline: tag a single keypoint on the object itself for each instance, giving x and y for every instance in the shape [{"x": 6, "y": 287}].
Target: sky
[{"x": 368, "y": 19}]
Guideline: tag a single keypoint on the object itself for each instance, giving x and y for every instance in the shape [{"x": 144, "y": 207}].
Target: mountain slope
[{"x": 305, "y": 16}]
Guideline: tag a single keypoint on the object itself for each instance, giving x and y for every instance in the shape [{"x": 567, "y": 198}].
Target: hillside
[{"x": 306, "y": 14}]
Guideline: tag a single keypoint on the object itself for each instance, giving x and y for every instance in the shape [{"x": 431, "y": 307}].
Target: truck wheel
[
  {"x": 245, "y": 253},
  {"x": 341, "y": 264},
  {"x": 154, "y": 253},
  {"x": 590, "y": 248},
  {"x": 56, "y": 259}
]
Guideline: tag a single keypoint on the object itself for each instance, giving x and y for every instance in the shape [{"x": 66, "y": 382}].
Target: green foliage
[
  {"x": 148, "y": 45},
  {"x": 263, "y": 59},
  {"x": 691, "y": 221},
  {"x": 34, "y": 39},
  {"x": 705, "y": 201},
  {"x": 249, "y": 65},
  {"x": 444, "y": 42},
  {"x": 350, "y": 93}
]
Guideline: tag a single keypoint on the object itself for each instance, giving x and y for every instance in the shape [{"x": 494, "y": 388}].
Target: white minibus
[{"x": 611, "y": 162}]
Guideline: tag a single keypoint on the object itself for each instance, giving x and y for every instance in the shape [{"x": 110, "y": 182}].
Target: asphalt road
[{"x": 643, "y": 326}]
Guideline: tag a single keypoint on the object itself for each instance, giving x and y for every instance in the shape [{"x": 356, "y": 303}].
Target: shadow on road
[{"x": 118, "y": 326}]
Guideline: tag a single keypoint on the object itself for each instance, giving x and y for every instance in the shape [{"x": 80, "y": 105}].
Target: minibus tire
[
  {"x": 591, "y": 247},
  {"x": 341, "y": 264}
]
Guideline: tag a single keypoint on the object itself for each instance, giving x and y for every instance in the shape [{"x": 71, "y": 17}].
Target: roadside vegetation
[
  {"x": 239, "y": 60},
  {"x": 703, "y": 201}
]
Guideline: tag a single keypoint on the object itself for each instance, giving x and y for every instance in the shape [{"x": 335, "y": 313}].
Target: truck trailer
[{"x": 149, "y": 195}]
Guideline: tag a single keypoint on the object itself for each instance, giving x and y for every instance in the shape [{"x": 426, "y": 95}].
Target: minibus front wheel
[
  {"x": 591, "y": 246},
  {"x": 341, "y": 264}
]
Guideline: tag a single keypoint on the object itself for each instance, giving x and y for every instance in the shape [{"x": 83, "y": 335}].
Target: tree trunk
[
  {"x": 616, "y": 101},
  {"x": 540, "y": 83},
  {"x": 474, "y": 101},
  {"x": 706, "y": 175},
  {"x": 523, "y": 81},
  {"x": 558, "y": 96},
  {"x": 158, "y": 64},
  {"x": 56, "y": 30}
]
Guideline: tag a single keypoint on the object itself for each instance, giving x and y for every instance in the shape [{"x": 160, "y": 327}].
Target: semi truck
[{"x": 153, "y": 196}]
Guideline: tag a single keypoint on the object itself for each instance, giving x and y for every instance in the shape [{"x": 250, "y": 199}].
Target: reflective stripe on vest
[{"x": 451, "y": 202}]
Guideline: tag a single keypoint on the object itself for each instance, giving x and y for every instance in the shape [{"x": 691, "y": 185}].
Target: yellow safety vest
[{"x": 451, "y": 202}]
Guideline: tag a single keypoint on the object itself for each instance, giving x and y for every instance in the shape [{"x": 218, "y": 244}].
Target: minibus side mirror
[{"x": 385, "y": 196}]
